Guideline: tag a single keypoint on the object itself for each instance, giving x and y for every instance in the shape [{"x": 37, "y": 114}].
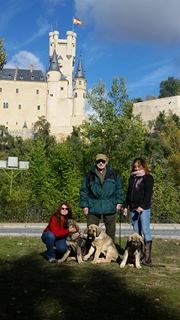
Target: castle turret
[
  {"x": 53, "y": 78},
  {"x": 79, "y": 91}
]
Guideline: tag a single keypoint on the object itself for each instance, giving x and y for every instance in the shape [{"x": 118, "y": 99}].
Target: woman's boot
[{"x": 147, "y": 253}]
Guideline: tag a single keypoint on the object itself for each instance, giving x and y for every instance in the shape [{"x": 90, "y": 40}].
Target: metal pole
[
  {"x": 120, "y": 228},
  {"x": 11, "y": 182}
]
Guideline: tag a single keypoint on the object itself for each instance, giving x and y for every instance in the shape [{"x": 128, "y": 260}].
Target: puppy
[
  {"x": 133, "y": 251},
  {"x": 100, "y": 243},
  {"x": 75, "y": 241}
]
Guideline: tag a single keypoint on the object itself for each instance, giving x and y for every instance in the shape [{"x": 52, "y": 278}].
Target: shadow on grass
[{"x": 31, "y": 288}]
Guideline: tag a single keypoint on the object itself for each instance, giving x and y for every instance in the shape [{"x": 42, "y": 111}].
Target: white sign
[
  {"x": 13, "y": 162},
  {"x": 3, "y": 163},
  {"x": 24, "y": 165}
]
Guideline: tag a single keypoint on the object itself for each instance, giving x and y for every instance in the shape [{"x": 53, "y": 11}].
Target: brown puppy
[
  {"x": 133, "y": 251},
  {"x": 75, "y": 241},
  {"x": 101, "y": 243}
]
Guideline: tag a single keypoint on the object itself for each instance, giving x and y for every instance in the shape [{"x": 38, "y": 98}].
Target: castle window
[
  {"x": 16, "y": 123},
  {"x": 0, "y": 89},
  {"x": 19, "y": 106},
  {"x": 17, "y": 90},
  {"x": 7, "y": 124},
  {"x": 75, "y": 95},
  {"x": 62, "y": 88},
  {"x": 38, "y": 107},
  {"x": 51, "y": 94},
  {"x": 37, "y": 91},
  {"x": 79, "y": 82},
  {"x": 84, "y": 95},
  {"x": 5, "y": 105}
]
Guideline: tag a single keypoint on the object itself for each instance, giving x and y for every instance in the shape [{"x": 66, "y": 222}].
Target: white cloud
[
  {"x": 24, "y": 59},
  {"x": 132, "y": 20}
]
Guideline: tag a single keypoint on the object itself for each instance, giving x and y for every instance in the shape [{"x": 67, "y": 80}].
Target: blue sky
[{"x": 138, "y": 40}]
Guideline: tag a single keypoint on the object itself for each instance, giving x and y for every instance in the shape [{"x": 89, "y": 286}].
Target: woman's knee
[
  {"x": 48, "y": 236},
  {"x": 61, "y": 246}
]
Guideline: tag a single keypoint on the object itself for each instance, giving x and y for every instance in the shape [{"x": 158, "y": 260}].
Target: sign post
[{"x": 12, "y": 167}]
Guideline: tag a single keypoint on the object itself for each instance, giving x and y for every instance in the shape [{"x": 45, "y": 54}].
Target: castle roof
[
  {"x": 79, "y": 71},
  {"x": 54, "y": 63},
  {"x": 22, "y": 74}
]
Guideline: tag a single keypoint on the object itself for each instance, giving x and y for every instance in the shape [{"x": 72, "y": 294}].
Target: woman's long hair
[
  {"x": 141, "y": 162},
  {"x": 58, "y": 212}
]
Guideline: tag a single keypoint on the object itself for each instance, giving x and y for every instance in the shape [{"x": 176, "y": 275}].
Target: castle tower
[
  {"x": 53, "y": 78},
  {"x": 66, "y": 51},
  {"x": 79, "y": 91}
]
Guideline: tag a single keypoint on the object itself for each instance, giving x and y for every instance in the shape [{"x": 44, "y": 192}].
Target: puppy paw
[
  {"x": 60, "y": 261},
  {"x": 80, "y": 261},
  {"x": 122, "y": 265},
  {"x": 85, "y": 258}
]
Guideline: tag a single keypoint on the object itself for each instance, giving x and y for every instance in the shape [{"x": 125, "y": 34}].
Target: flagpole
[{"x": 72, "y": 25}]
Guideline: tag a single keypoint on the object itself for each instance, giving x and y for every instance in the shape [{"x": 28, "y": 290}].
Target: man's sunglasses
[{"x": 100, "y": 160}]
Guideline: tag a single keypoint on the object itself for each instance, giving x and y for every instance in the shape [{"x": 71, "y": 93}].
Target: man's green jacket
[{"x": 101, "y": 198}]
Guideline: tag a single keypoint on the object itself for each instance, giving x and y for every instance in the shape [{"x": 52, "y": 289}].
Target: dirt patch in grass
[{"x": 31, "y": 288}]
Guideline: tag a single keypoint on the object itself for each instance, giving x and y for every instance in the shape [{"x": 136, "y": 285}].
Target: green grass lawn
[{"x": 32, "y": 288}]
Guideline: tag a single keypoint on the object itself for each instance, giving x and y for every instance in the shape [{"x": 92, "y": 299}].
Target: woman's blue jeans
[
  {"x": 54, "y": 245},
  {"x": 141, "y": 223}
]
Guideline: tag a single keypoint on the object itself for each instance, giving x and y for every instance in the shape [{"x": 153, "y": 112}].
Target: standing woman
[
  {"x": 55, "y": 234},
  {"x": 138, "y": 201}
]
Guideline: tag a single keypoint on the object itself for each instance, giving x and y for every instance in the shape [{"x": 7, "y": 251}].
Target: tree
[
  {"x": 3, "y": 56},
  {"x": 169, "y": 88},
  {"x": 6, "y": 141},
  {"x": 112, "y": 129},
  {"x": 118, "y": 94},
  {"x": 41, "y": 130}
]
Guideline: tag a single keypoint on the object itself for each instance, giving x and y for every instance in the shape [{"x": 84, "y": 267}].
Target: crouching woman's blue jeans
[
  {"x": 141, "y": 223},
  {"x": 54, "y": 245}
]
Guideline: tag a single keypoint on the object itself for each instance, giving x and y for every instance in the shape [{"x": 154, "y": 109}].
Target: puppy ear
[
  {"x": 141, "y": 239},
  {"x": 98, "y": 231}
]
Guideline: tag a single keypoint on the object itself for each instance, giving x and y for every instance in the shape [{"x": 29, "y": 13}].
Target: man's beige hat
[{"x": 101, "y": 156}]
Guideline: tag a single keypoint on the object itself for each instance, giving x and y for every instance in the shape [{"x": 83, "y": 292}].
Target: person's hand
[
  {"x": 125, "y": 212},
  {"x": 139, "y": 209},
  {"x": 85, "y": 211},
  {"x": 72, "y": 229},
  {"x": 119, "y": 207}
]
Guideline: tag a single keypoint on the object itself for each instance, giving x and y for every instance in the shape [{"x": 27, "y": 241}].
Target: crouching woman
[{"x": 55, "y": 234}]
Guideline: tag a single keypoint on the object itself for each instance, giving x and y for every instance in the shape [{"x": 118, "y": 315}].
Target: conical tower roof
[
  {"x": 79, "y": 71},
  {"x": 54, "y": 62}
]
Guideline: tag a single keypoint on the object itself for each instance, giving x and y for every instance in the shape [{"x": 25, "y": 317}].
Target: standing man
[{"x": 101, "y": 195}]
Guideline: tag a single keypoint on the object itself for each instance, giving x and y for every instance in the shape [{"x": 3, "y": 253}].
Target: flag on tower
[{"x": 77, "y": 21}]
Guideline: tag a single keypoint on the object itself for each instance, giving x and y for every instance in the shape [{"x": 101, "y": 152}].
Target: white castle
[{"x": 59, "y": 95}]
